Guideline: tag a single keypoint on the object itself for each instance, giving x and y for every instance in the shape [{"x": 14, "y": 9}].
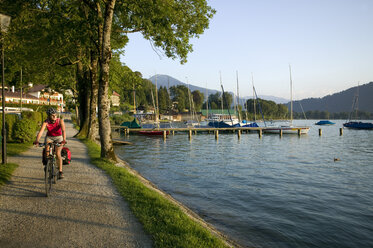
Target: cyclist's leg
[
  {"x": 59, "y": 157},
  {"x": 47, "y": 140}
]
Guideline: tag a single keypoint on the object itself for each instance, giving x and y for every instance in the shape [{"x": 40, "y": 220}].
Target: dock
[
  {"x": 187, "y": 129},
  {"x": 193, "y": 130}
]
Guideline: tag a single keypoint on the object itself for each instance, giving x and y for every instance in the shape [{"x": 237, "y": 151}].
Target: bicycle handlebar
[{"x": 53, "y": 143}]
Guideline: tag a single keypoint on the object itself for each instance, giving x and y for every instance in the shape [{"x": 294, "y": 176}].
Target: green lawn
[
  {"x": 167, "y": 224},
  {"x": 13, "y": 149},
  {"x": 6, "y": 171}
]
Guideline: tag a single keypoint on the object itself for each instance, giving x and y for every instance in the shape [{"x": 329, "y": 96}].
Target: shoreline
[{"x": 190, "y": 213}]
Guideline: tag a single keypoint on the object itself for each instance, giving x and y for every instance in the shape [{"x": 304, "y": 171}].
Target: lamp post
[{"x": 4, "y": 23}]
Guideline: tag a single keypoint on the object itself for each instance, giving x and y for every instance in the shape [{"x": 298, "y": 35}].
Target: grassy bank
[
  {"x": 168, "y": 225},
  {"x": 13, "y": 149}
]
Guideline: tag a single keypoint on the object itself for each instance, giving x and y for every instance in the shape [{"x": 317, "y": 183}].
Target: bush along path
[{"x": 84, "y": 210}]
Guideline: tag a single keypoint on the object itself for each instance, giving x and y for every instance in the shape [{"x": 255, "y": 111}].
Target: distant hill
[
  {"x": 165, "y": 81},
  {"x": 339, "y": 102}
]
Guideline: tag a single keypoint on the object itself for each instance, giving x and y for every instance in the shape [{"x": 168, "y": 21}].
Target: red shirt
[{"x": 54, "y": 129}]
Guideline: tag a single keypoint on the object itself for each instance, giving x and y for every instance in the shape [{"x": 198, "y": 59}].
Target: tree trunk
[
  {"x": 107, "y": 149},
  {"x": 83, "y": 99},
  {"x": 92, "y": 131},
  {"x": 86, "y": 108},
  {"x": 95, "y": 56},
  {"x": 81, "y": 94}
]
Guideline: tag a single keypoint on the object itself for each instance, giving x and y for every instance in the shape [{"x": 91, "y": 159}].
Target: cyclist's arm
[
  {"x": 40, "y": 132},
  {"x": 63, "y": 130}
]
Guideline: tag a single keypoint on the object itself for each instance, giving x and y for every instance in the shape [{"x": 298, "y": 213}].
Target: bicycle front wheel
[{"x": 48, "y": 177}]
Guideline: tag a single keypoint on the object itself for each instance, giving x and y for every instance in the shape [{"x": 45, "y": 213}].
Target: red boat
[{"x": 153, "y": 132}]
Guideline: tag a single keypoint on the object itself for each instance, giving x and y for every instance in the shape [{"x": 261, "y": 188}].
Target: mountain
[
  {"x": 278, "y": 100},
  {"x": 339, "y": 102},
  {"x": 168, "y": 81}
]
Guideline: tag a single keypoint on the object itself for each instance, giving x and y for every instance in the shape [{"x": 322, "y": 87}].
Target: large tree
[
  {"x": 83, "y": 33},
  {"x": 169, "y": 24}
]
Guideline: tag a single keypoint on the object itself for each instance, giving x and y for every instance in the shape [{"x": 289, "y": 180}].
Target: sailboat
[
  {"x": 223, "y": 120},
  {"x": 289, "y": 129},
  {"x": 245, "y": 123},
  {"x": 356, "y": 124},
  {"x": 156, "y": 113},
  {"x": 193, "y": 119}
]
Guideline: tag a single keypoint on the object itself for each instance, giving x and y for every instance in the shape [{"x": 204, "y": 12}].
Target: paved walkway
[{"x": 84, "y": 209}]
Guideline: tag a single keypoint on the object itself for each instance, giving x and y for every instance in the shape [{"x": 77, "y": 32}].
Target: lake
[{"x": 269, "y": 192}]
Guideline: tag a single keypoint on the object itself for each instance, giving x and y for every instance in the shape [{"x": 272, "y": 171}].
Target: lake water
[{"x": 269, "y": 192}]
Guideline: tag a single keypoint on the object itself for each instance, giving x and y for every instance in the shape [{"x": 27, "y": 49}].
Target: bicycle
[{"x": 50, "y": 169}]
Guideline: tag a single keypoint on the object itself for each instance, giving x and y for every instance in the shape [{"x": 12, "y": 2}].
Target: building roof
[
  {"x": 115, "y": 93},
  {"x": 37, "y": 88},
  {"x": 17, "y": 94}
]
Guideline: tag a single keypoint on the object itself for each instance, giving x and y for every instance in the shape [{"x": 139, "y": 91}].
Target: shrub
[
  {"x": 10, "y": 120},
  {"x": 35, "y": 116},
  {"x": 24, "y": 131}
]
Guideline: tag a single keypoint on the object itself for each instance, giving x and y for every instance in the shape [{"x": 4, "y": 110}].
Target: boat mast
[
  {"x": 291, "y": 97},
  {"x": 238, "y": 99},
  {"x": 156, "y": 100},
  {"x": 357, "y": 101},
  {"x": 222, "y": 88},
  {"x": 221, "y": 94},
  {"x": 260, "y": 108},
  {"x": 134, "y": 99},
  {"x": 169, "y": 95},
  {"x": 254, "y": 105},
  {"x": 207, "y": 102},
  {"x": 155, "y": 115},
  {"x": 190, "y": 101}
]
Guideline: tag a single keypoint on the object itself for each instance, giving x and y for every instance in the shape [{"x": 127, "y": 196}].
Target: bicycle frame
[{"x": 51, "y": 171}]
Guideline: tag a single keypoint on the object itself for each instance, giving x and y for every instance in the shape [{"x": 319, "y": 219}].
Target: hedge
[
  {"x": 38, "y": 117},
  {"x": 10, "y": 120},
  {"x": 24, "y": 131},
  {"x": 25, "y": 124}
]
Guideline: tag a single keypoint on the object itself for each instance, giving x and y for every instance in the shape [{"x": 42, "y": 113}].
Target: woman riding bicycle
[{"x": 56, "y": 133}]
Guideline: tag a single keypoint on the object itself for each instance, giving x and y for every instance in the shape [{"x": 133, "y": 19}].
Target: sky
[{"x": 327, "y": 43}]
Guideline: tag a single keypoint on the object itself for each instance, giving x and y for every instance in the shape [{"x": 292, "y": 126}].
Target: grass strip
[
  {"x": 13, "y": 149},
  {"x": 168, "y": 225},
  {"x": 6, "y": 170}
]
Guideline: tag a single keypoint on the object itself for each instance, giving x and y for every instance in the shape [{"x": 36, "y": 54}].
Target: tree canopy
[{"x": 74, "y": 44}]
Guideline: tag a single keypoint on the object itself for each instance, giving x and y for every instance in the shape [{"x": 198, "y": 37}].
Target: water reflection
[{"x": 280, "y": 192}]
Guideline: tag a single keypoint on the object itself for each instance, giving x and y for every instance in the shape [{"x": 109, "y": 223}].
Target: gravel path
[{"x": 84, "y": 209}]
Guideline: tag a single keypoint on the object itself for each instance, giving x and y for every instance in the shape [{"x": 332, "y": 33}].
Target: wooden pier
[{"x": 192, "y": 130}]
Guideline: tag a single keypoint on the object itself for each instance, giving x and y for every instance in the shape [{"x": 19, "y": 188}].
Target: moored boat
[
  {"x": 152, "y": 132},
  {"x": 249, "y": 124},
  {"x": 324, "y": 122},
  {"x": 287, "y": 129},
  {"x": 358, "y": 125},
  {"x": 222, "y": 121}
]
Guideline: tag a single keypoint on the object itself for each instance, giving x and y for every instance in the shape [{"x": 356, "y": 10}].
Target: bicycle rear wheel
[
  {"x": 54, "y": 172},
  {"x": 48, "y": 177}
]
